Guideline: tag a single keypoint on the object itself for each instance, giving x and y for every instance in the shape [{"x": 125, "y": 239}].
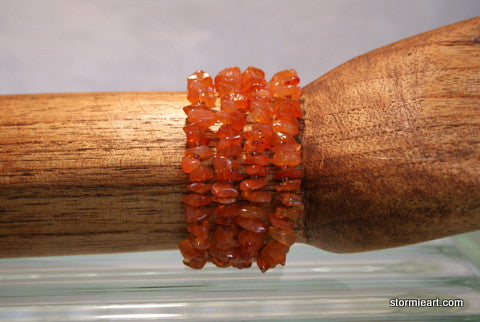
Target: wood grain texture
[
  {"x": 392, "y": 143},
  {"x": 91, "y": 173}
]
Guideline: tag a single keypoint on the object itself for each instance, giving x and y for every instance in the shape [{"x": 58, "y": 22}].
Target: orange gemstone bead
[
  {"x": 228, "y": 81},
  {"x": 287, "y": 158},
  {"x": 287, "y": 77},
  {"x": 265, "y": 129},
  {"x": 194, "y": 214},
  {"x": 229, "y": 211},
  {"x": 196, "y": 200},
  {"x": 203, "y": 115},
  {"x": 289, "y": 185},
  {"x": 235, "y": 119},
  {"x": 284, "y": 126},
  {"x": 284, "y": 236},
  {"x": 201, "y": 77},
  {"x": 279, "y": 138},
  {"x": 224, "y": 190},
  {"x": 225, "y": 163},
  {"x": 235, "y": 101},
  {"x": 291, "y": 199},
  {"x": 254, "y": 225},
  {"x": 259, "y": 159},
  {"x": 189, "y": 164},
  {"x": 224, "y": 237},
  {"x": 288, "y": 172},
  {"x": 292, "y": 213},
  {"x": 287, "y": 147},
  {"x": 253, "y": 184},
  {"x": 288, "y": 107},
  {"x": 187, "y": 249},
  {"x": 226, "y": 175},
  {"x": 250, "y": 243},
  {"x": 293, "y": 92},
  {"x": 199, "y": 230},
  {"x": 272, "y": 254},
  {"x": 195, "y": 263},
  {"x": 257, "y": 196},
  {"x": 199, "y": 152},
  {"x": 198, "y": 243},
  {"x": 251, "y": 211},
  {"x": 280, "y": 223},
  {"x": 199, "y": 93},
  {"x": 201, "y": 174},
  {"x": 256, "y": 170},
  {"x": 199, "y": 187}
]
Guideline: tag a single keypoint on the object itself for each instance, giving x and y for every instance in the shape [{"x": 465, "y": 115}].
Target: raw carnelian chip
[
  {"x": 194, "y": 214},
  {"x": 284, "y": 236},
  {"x": 225, "y": 163},
  {"x": 272, "y": 254},
  {"x": 189, "y": 164},
  {"x": 258, "y": 93},
  {"x": 287, "y": 158},
  {"x": 288, "y": 185},
  {"x": 288, "y": 172},
  {"x": 251, "y": 211},
  {"x": 199, "y": 187},
  {"x": 199, "y": 93},
  {"x": 293, "y": 92},
  {"x": 196, "y": 200},
  {"x": 198, "y": 243},
  {"x": 226, "y": 175},
  {"x": 204, "y": 115},
  {"x": 280, "y": 223},
  {"x": 199, "y": 152},
  {"x": 287, "y": 147},
  {"x": 284, "y": 126},
  {"x": 224, "y": 237},
  {"x": 253, "y": 184},
  {"x": 230, "y": 151},
  {"x": 279, "y": 138},
  {"x": 195, "y": 136},
  {"x": 228, "y": 81},
  {"x": 256, "y": 170},
  {"x": 291, "y": 199},
  {"x": 224, "y": 190},
  {"x": 187, "y": 249},
  {"x": 257, "y": 159},
  {"x": 229, "y": 211},
  {"x": 195, "y": 263},
  {"x": 253, "y": 78},
  {"x": 235, "y": 101},
  {"x": 202, "y": 77},
  {"x": 235, "y": 119},
  {"x": 254, "y": 225},
  {"x": 224, "y": 201},
  {"x": 265, "y": 129},
  {"x": 201, "y": 174},
  {"x": 292, "y": 213},
  {"x": 250, "y": 243},
  {"x": 199, "y": 230},
  {"x": 288, "y": 107},
  {"x": 257, "y": 196},
  {"x": 285, "y": 78}
]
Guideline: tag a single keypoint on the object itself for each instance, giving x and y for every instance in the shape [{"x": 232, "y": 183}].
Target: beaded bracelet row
[{"x": 228, "y": 157}]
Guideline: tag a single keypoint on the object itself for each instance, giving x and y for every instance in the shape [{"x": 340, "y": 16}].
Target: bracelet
[{"x": 242, "y": 160}]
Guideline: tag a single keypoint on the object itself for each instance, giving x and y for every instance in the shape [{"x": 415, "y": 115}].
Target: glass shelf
[{"x": 314, "y": 284}]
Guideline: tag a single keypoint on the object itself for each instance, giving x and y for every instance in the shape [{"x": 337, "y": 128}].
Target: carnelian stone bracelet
[{"x": 242, "y": 160}]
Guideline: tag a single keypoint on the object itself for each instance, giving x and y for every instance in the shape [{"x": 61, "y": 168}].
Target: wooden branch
[{"x": 392, "y": 143}]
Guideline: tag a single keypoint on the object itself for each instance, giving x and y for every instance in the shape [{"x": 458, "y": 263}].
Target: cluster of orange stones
[{"x": 241, "y": 208}]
